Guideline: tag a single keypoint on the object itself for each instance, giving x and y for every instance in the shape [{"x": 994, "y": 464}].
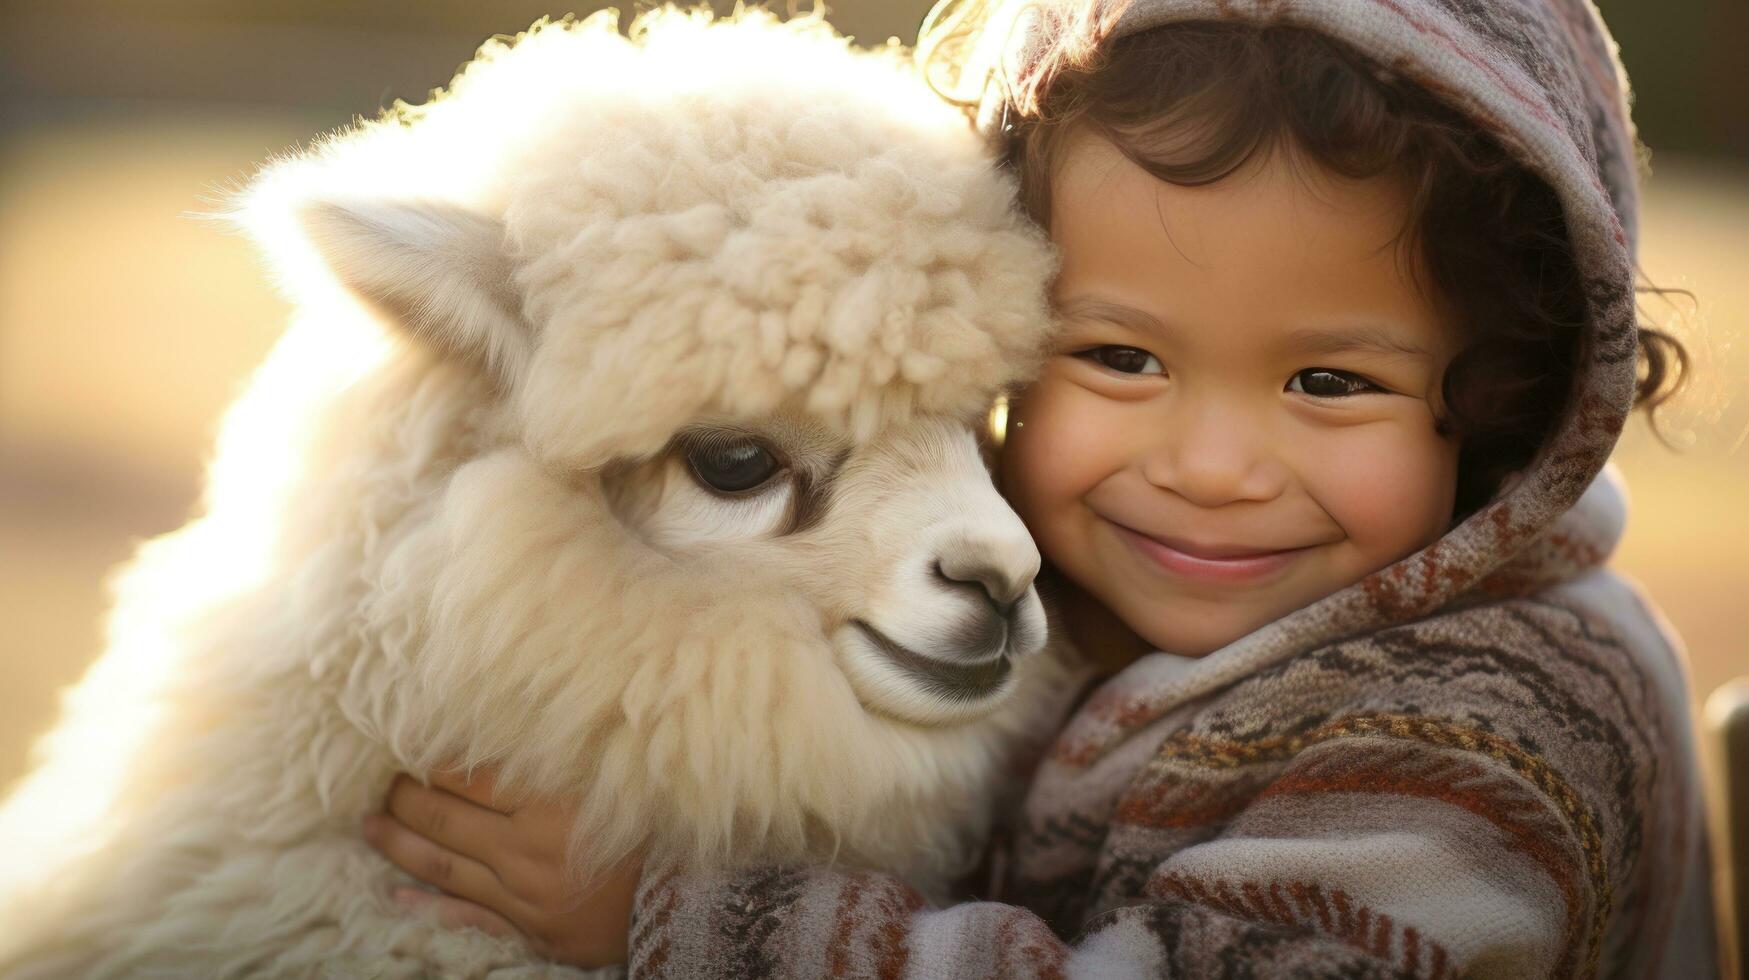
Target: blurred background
[{"x": 126, "y": 325}]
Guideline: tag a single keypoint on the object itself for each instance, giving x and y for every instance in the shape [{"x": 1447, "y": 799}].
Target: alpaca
[{"x": 622, "y": 439}]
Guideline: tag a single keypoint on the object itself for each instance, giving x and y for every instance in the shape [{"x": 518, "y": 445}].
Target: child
[{"x": 1348, "y": 306}]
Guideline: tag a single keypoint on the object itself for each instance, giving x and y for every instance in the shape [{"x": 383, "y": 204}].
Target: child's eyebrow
[
  {"x": 1350, "y": 340},
  {"x": 1100, "y": 309},
  {"x": 1372, "y": 339}
]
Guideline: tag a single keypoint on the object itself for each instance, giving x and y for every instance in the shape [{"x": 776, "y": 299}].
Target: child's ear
[{"x": 436, "y": 270}]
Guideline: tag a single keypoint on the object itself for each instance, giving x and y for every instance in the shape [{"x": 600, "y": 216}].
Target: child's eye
[
  {"x": 1325, "y": 383},
  {"x": 1124, "y": 360}
]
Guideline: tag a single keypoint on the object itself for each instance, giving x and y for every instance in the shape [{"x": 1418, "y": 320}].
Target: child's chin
[{"x": 1197, "y": 633}]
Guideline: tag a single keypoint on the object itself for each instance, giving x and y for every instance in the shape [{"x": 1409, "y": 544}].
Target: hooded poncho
[{"x": 1475, "y": 762}]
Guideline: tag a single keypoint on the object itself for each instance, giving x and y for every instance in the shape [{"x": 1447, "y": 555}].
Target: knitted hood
[{"x": 1544, "y": 79}]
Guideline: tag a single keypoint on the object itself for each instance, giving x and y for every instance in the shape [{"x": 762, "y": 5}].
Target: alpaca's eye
[{"x": 732, "y": 467}]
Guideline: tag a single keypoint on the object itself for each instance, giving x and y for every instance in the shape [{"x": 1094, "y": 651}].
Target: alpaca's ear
[{"x": 436, "y": 269}]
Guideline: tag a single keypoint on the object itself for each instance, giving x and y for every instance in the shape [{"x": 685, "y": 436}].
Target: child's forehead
[
  {"x": 1279, "y": 186},
  {"x": 1324, "y": 262},
  {"x": 1110, "y": 214}
]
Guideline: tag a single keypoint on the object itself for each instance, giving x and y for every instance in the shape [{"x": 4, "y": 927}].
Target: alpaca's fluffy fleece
[
  {"x": 406, "y": 558},
  {"x": 817, "y": 230}
]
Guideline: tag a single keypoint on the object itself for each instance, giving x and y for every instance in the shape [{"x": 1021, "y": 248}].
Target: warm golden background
[{"x": 126, "y": 324}]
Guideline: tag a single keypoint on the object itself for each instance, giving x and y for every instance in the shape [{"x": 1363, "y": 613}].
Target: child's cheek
[
  {"x": 1390, "y": 487},
  {"x": 1061, "y": 442},
  {"x": 1035, "y": 464}
]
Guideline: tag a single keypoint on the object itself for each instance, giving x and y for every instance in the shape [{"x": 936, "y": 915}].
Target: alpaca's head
[
  {"x": 921, "y": 575},
  {"x": 736, "y": 299}
]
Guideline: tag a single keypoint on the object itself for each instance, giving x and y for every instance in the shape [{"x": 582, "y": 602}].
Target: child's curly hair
[{"x": 1191, "y": 103}]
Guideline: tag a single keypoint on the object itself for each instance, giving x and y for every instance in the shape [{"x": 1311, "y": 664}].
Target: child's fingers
[
  {"x": 479, "y": 786},
  {"x": 434, "y": 864},
  {"x": 464, "y": 827},
  {"x": 456, "y": 913}
]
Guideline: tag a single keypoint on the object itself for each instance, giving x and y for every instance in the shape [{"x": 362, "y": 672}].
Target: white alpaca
[{"x": 621, "y": 440}]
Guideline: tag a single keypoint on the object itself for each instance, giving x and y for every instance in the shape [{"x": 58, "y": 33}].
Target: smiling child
[{"x": 1214, "y": 449}]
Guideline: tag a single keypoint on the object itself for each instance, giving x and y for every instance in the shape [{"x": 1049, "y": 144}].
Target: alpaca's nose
[
  {"x": 1001, "y": 587},
  {"x": 1001, "y": 572}
]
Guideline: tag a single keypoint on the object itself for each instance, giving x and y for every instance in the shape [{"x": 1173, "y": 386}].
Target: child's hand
[{"x": 502, "y": 869}]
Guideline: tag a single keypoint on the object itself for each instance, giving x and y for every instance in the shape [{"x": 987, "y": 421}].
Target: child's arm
[
  {"x": 798, "y": 923},
  {"x": 1275, "y": 902},
  {"x": 1205, "y": 910}
]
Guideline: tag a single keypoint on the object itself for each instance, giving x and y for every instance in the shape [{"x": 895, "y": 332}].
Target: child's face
[{"x": 1239, "y": 417}]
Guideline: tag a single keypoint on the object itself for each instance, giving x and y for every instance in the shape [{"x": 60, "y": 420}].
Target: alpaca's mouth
[{"x": 954, "y": 681}]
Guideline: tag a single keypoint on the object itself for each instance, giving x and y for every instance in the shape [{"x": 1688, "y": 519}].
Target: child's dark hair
[{"x": 1191, "y": 103}]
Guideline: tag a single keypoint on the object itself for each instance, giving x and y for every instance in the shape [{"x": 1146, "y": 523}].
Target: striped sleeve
[
  {"x": 1454, "y": 862},
  {"x": 819, "y": 922},
  {"x": 1457, "y": 863}
]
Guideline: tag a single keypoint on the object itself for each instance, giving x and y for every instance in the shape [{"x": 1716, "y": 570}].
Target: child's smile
[
  {"x": 1240, "y": 417},
  {"x": 1211, "y": 562}
]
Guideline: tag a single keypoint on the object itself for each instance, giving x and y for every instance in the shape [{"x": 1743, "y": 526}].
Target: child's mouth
[{"x": 1207, "y": 562}]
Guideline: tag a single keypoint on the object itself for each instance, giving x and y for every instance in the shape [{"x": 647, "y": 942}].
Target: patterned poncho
[{"x": 1475, "y": 762}]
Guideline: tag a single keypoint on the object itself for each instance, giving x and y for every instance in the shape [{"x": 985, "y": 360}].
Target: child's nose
[{"x": 1213, "y": 457}]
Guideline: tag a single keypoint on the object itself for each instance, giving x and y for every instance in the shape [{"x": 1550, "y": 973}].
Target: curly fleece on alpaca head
[{"x": 822, "y": 249}]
